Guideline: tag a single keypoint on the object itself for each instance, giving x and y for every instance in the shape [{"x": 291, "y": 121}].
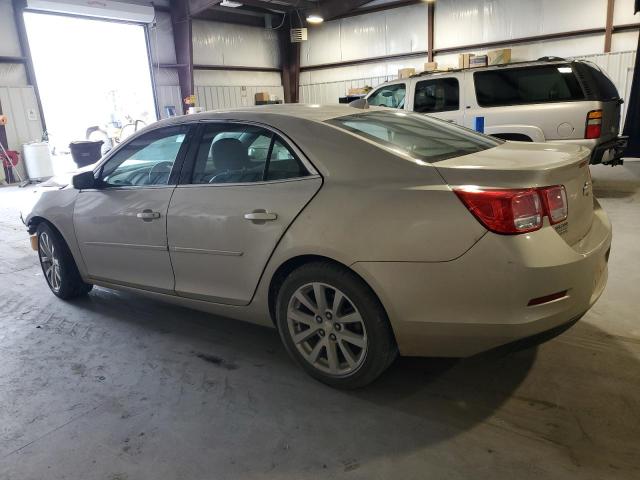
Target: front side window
[
  {"x": 389, "y": 96},
  {"x": 146, "y": 160},
  {"x": 424, "y": 138},
  {"x": 437, "y": 95},
  {"x": 234, "y": 153},
  {"x": 516, "y": 86}
]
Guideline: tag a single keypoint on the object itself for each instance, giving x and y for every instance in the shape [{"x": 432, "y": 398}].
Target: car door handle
[
  {"x": 148, "y": 215},
  {"x": 260, "y": 216}
]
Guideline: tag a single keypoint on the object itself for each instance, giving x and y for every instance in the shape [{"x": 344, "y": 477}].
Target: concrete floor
[{"x": 119, "y": 387}]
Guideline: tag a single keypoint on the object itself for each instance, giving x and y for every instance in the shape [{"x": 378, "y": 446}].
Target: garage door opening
[{"x": 93, "y": 75}]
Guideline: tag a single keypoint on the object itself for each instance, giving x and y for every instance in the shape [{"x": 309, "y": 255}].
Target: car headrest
[{"x": 229, "y": 154}]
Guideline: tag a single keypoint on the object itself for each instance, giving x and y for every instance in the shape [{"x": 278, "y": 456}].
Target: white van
[{"x": 542, "y": 101}]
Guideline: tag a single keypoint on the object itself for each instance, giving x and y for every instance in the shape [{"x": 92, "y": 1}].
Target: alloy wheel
[
  {"x": 50, "y": 261},
  {"x": 327, "y": 329}
]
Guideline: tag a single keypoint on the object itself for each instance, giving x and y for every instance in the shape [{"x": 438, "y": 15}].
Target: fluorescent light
[
  {"x": 315, "y": 19},
  {"x": 230, "y": 4},
  {"x": 565, "y": 69}
]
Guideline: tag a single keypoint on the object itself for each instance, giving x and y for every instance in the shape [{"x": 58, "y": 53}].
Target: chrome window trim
[{"x": 245, "y": 184}]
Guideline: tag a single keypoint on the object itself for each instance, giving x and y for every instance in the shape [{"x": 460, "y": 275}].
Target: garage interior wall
[
  {"x": 459, "y": 23},
  {"x": 218, "y": 45},
  {"x": 17, "y": 98},
  {"x": 163, "y": 56}
]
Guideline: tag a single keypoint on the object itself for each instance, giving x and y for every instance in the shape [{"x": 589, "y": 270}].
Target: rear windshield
[
  {"x": 539, "y": 84},
  {"x": 424, "y": 138}
]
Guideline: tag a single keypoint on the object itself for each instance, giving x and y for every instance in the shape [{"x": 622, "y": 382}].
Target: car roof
[{"x": 310, "y": 112}]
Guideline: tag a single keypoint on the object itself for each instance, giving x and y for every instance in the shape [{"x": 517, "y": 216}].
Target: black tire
[
  {"x": 69, "y": 284},
  {"x": 381, "y": 349}
]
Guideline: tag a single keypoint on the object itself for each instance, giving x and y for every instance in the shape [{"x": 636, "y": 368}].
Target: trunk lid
[{"x": 525, "y": 165}]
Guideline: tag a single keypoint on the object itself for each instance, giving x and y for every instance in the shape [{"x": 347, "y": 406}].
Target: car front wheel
[
  {"x": 334, "y": 326},
  {"x": 58, "y": 265}
]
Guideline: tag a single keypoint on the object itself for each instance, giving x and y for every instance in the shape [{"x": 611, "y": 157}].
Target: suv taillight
[
  {"x": 594, "y": 124},
  {"x": 514, "y": 211}
]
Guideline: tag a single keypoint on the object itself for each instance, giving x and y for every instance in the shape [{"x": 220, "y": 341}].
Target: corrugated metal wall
[
  {"x": 25, "y": 125},
  {"x": 458, "y": 23},
  {"x": 217, "y": 44},
  {"x": 228, "y": 89}
]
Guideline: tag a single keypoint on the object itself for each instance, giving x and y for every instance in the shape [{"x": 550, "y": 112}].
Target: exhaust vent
[{"x": 298, "y": 35}]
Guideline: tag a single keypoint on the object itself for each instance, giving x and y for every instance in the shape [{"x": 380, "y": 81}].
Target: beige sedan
[{"x": 358, "y": 234}]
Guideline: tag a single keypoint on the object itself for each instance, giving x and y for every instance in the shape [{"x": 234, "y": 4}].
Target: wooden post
[
  {"x": 430, "y": 28},
  {"x": 609, "y": 27},
  {"x": 181, "y": 21}
]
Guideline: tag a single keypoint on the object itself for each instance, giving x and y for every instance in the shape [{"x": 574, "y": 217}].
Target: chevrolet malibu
[{"x": 358, "y": 233}]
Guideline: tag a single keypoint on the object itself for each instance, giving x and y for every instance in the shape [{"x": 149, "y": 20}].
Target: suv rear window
[
  {"x": 516, "y": 86},
  {"x": 424, "y": 138}
]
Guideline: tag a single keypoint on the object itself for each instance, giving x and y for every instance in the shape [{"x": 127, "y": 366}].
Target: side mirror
[{"x": 83, "y": 181}]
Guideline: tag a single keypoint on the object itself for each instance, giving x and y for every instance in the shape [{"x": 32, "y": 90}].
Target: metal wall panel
[
  {"x": 9, "y": 42},
  {"x": 216, "y": 43},
  {"x": 13, "y": 75},
  {"x": 328, "y": 93},
  {"x": 467, "y": 22},
  {"x": 569, "y": 47},
  {"x": 222, "y": 97},
  {"x": 18, "y": 103},
  {"x": 389, "y": 32},
  {"x": 624, "y": 41},
  {"x": 219, "y": 89},
  {"x": 161, "y": 40},
  {"x": 623, "y": 12},
  {"x": 169, "y": 96}
]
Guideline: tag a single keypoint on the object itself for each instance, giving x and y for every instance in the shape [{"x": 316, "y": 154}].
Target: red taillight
[
  {"x": 594, "y": 124},
  {"x": 555, "y": 203},
  {"x": 514, "y": 211}
]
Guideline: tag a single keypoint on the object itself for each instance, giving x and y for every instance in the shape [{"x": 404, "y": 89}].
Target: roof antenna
[{"x": 361, "y": 103}]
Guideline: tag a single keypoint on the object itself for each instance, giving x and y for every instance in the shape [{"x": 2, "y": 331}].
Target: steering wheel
[{"x": 158, "y": 165}]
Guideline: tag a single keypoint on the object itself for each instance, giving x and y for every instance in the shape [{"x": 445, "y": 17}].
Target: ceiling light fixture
[
  {"x": 315, "y": 19},
  {"x": 230, "y": 4}
]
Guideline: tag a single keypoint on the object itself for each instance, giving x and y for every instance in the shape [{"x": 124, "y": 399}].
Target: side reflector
[{"x": 547, "y": 298}]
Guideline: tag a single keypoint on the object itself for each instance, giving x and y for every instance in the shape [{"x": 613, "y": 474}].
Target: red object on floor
[{"x": 14, "y": 158}]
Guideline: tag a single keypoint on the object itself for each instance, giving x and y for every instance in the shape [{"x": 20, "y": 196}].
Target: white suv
[{"x": 543, "y": 101}]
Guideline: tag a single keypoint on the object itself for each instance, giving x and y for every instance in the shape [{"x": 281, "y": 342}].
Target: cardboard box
[
  {"x": 464, "y": 60},
  {"x": 358, "y": 91},
  {"x": 499, "y": 57},
  {"x": 430, "y": 66},
  {"x": 478, "y": 61},
  {"x": 262, "y": 96},
  {"x": 406, "y": 72}
]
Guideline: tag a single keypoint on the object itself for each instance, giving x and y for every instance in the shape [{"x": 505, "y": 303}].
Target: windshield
[{"x": 424, "y": 138}]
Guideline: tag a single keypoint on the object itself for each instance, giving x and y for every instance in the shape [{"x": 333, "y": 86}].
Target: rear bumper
[
  {"x": 480, "y": 300},
  {"x": 610, "y": 153}
]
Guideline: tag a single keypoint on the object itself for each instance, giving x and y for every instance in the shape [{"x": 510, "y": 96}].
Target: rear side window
[
  {"x": 235, "y": 153},
  {"x": 437, "y": 95},
  {"x": 389, "y": 96},
  {"x": 515, "y": 86},
  {"x": 424, "y": 138}
]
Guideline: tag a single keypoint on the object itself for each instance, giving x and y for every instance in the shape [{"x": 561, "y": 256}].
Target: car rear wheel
[
  {"x": 58, "y": 265},
  {"x": 334, "y": 326}
]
